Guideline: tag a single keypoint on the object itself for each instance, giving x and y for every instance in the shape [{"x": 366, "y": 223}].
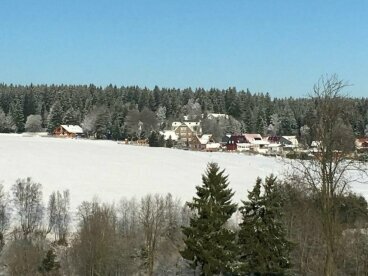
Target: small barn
[{"x": 70, "y": 131}]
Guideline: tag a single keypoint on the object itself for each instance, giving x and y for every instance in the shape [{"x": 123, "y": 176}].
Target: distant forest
[{"x": 113, "y": 112}]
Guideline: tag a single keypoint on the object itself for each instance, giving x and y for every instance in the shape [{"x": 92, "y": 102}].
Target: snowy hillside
[{"x": 111, "y": 171}]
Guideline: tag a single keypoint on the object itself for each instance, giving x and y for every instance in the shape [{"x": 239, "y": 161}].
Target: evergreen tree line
[
  {"x": 274, "y": 231},
  {"x": 133, "y": 112}
]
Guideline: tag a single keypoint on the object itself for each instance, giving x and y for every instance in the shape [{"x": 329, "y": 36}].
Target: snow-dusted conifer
[
  {"x": 208, "y": 243},
  {"x": 55, "y": 117},
  {"x": 263, "y": 246}
]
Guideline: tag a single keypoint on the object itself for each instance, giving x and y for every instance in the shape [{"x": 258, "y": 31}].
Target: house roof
[
  {"x": 251, "y": 137},
  {"x": 191, "y": 125},
  {"x": 205, "y": 138},
  {"x": 73, "y": 129},
  {"x": 217, "y": 115},
  {"x": 292, "y": 139},
  {"x": 362, "y": 140},
  {"x": 168, "y": 133},
  {"x": 176, "y": 124},
  {"x": 273, "y": 139}
]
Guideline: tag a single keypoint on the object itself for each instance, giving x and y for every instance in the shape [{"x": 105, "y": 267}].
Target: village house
[
  {"x": 70, "y": 131},
  {"x": 185, "y": 131},
  {"x": 361, "y": 144},
  {"x": 204, "y": 142},
  {"x": 278, "y": 144},
  {"x": 274, "y": 146},
  {"x": 236, "y": 142},
  {"x": 257, "y": 143},
  {"x": 289, "y": 142}
]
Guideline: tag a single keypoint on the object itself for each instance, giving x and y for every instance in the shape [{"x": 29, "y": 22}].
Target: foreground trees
[
  {"x": 264, "y": 247},
  {"x": 151, "y": 234},
  {"x": 208, "y": 243},
  {"x": 328, "y": 175}
]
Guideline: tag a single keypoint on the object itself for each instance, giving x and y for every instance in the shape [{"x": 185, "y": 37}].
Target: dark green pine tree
[
  {"x": 55, "y": 117},
  {"x": 49, "y": 263},
  {"x": 153, "y": 139},
  {"x": 161, "y": 140},
  {"x": 262, "y": 241},
  {"x": 169, "y": 142},
  {"x": 208, "y": 243},
  {"x": 17, "y": 116}
]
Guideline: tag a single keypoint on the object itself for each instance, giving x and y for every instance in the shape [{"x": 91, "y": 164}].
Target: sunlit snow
[{"x": 111, "y": 171}]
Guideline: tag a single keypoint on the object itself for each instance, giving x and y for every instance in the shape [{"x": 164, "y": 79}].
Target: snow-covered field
[{"x": 111, "y": 171}]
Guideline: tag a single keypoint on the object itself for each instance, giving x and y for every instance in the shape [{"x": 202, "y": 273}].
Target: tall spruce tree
[
  {"x": 262, "y": 241},
  {"x": 208, "y": 243},
  {"x": 55, "y": 117},
  {"x": 17, "y": 116}
]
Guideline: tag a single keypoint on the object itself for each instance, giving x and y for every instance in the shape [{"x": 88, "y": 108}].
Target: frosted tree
[
  {"x": 6, "y": 122},
  {"x": 193, "y": 110},
  {"x": 55, "y": 117},
  {"x": 33, "y": 123},
  {"x": 16, "y": 112},
  {"x": 89, "y": 122},
  {"x": 161, "y": 116},
  {"x": 275, "y": 122}
]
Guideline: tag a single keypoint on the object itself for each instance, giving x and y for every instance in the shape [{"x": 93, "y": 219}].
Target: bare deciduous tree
[
  {"x": 329, "y": 173},
  {"x": 58, "y": 215},
  {"x": 152, "y": 218},
  {"x": 95, "y": 248},
  {"x": 23, "y": 257},
  {"x": 4, "y": 215},
  {"x": 27, "y": 198}
]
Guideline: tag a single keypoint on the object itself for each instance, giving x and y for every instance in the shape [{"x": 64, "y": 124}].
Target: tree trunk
[{"x": 329, "y": 265}]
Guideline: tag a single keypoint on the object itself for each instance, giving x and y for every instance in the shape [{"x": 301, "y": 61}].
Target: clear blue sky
[{"x": 275, "y": 46}]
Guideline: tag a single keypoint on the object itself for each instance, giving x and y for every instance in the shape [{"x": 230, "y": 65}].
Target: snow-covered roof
[
  {"x": 176, "y": 124},
  {"x": 217, "y": 115},
  {"x": 205, "y": 138},
  {"x": 292, "y": 140},
  {"x": 250, "y": 137},
  {"x": 73, "y": 129},
  {"x": 191, "y": 125},
  {"x": 168, "y": 133}
]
